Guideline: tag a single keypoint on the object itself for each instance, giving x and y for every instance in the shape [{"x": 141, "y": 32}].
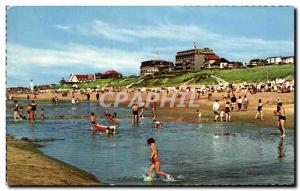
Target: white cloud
[
  {"x": 228, "y": 45},
  {"x": 24, "y": 63},
  {"x": 72, "y": 55}
]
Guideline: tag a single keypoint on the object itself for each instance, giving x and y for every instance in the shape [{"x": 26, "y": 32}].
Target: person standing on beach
[
  {"x": 259, "y": 110},
  {"x": 73, "y": 100},
  {"x": 245, "y": 103},
  {"x": 88, "y": 96},
  {"x": 97, "y": 96},
  {"x": 227, "y": 112},
  {"x": 216, "y": 107},
  {"x": 16, "y": 109},
  {"x": 240, "y": 102},
  {"x": 154, "y": 161},
  {"x": 233, "y": 101},
  {"x": 280, "y": 112}
]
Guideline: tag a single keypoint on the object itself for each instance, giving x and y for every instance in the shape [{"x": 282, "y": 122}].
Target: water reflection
[{"x": 281, "y": 148}]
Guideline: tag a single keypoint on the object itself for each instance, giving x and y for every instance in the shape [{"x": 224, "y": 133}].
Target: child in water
[
  {"x": 199, "y": 114},
  {"x": 154, "y": 162},
  {"x": 42, "y": 114},
  {"x": 157, "y": 124}
]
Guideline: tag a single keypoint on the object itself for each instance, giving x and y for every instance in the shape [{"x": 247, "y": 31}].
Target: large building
[
  {"x": 192, "y": 59},
  {"x": 156, "y": 67}
]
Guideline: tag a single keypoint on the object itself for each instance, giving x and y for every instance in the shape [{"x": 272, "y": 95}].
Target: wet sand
[{"x": 27, "y": 166}]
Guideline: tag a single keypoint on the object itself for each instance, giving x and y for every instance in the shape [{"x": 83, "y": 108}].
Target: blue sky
[{"x": 47, "y": 43}]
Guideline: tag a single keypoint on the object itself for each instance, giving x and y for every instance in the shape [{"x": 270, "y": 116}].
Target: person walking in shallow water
[
  {"x": 154, "y": 161},
  {"x": 280, "y": 112},
  {"x": 227, "y": 112}
]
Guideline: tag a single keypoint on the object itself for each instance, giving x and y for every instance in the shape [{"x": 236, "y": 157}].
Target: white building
[
  {"x": 274, "y": 60},
  {"x": 81, "y": 78},
  {"x": 288, "y": 60}
]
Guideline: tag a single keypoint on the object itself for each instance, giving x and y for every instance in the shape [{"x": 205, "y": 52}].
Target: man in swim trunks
[
  {"x": 280, "y": 112},
  {"x": 135, "y": 113},
  {"x": 154, "y": 161}
]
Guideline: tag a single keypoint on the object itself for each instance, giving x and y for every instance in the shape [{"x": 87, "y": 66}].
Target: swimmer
[
  {"x": 155, "y": 161},
  {"x": 157, "y": 124}
]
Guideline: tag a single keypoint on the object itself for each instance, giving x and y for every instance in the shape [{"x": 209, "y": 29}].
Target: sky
[{"x": 46, "y": 44}]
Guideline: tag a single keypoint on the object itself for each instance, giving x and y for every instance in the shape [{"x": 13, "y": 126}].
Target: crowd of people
[
  {"x": 230, "y": 106},
  {"x": 31, "y": 110}
]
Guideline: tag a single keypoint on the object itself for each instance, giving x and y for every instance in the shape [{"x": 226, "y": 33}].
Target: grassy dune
[{"x": 258, "y": 74}]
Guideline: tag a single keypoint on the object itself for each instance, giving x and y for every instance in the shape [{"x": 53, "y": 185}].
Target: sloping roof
[
  {"x": 111, "y": 72},
  {"x": 213, "y": 57},
  {"x": 84, "y": 77},
  {"x": 223, "y": 60}
]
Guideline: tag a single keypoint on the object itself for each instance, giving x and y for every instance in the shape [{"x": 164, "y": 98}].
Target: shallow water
[{"x": 191, "y": 152}]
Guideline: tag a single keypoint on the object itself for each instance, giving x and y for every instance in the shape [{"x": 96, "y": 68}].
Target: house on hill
[
  {"x": 274, "y": 60},
  {"x": 81, "y": 78},
  {"x": 288, "y": 60},
  {"x": 223, "y": 63},
  {"x": 156, "y": 67},
  {"x": 212, "y": 61},
  {"x": 108, "y": 74},
  {"x": 234, "y": 65},
  {"x": 257, "y": 62}
]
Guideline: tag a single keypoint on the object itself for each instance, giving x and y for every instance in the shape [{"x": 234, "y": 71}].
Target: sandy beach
[{"x": 27, "y": 166}]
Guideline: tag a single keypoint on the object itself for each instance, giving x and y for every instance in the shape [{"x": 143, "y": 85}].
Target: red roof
[
  {"x": 85, "y": 77},
  {"x": 213, "y": 57},
  {"x": 111, "y": 72}
]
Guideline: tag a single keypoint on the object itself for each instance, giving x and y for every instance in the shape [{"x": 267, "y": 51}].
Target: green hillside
[{"x": 257, "y": 74}]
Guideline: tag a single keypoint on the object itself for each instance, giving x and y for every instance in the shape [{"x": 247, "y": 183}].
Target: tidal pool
[{"x": 195, "y": 154}]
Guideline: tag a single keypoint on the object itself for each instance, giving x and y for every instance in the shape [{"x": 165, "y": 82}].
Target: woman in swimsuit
[
  {"x": 280, "y": 112},
  {"x": 259, "y": 110},
  {"x": 154, "y": 161},
  {"x": 227, "y": 112}
]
